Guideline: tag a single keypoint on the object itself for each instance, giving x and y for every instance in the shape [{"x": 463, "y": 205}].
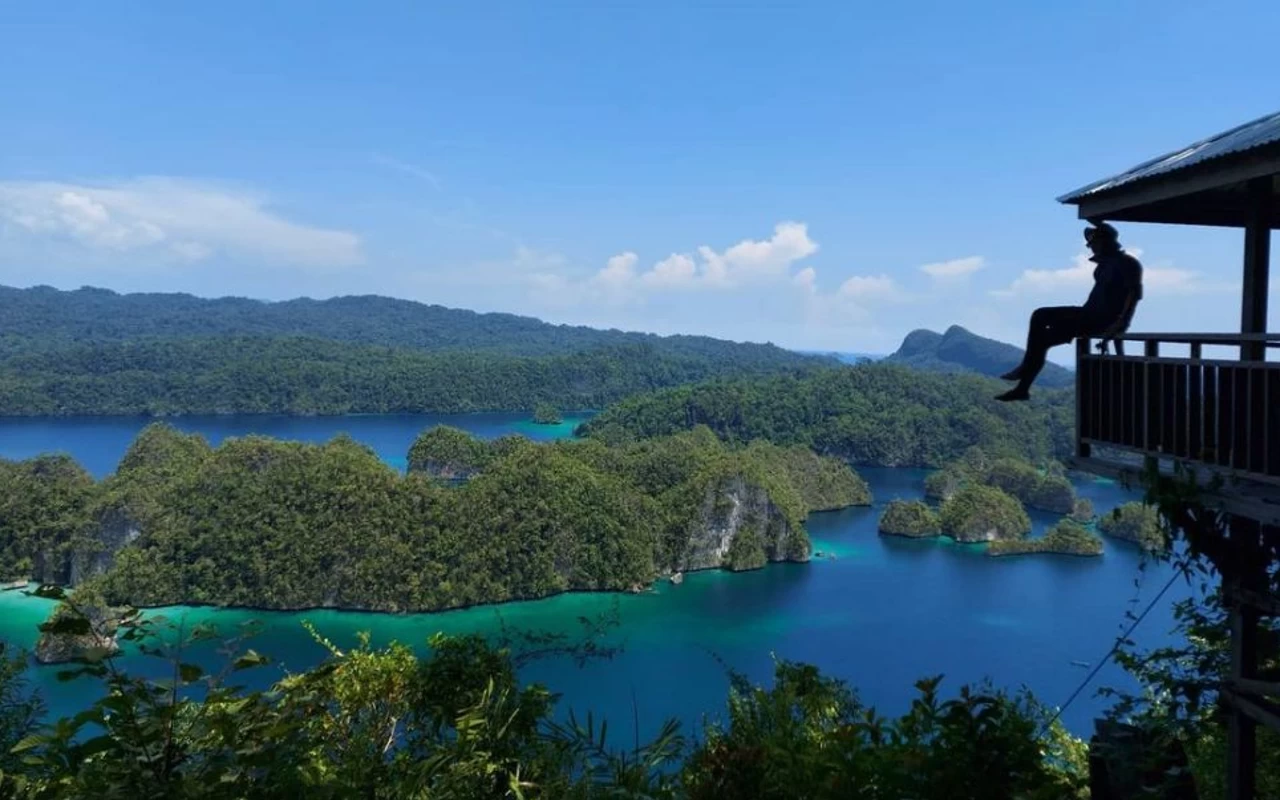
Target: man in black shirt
[{"x": 1117, "y": 288}]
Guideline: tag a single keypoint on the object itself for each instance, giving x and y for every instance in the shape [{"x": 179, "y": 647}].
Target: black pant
[{"x": 1050, "y": 327}]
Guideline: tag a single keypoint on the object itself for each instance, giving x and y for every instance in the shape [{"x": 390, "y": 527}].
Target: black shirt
[{"x": 1117, "y": 275}]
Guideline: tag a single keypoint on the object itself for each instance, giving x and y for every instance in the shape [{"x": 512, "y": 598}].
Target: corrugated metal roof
[{"x": 1262, "y": 131}]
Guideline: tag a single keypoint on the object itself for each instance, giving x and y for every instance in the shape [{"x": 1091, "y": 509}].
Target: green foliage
[
  {"x": 95, "y": 352},
  {"x": 1135, "y": 522},
  {"x": 270, "y": 524},
  {"x": 824, "y": 483},
  {"x": 446, "y": 452},
  {"x": 458, "y": 725},
  {"x": 90, "y": 315},
  {"x": 869, "y": 414},
  {"x": 910, "y": 518},
  {"x": 1082, "y": 511},
  {"x": 20, "y": 711},
  {"x": 808, "y": 736},
  {"x": 45, "y": 512},
  {"x": 984, "y": 513},
  {"x": 546, "y": 414},
  {"x": 1178, "y": 704},
  {"x": 1045, "y": 489},
  {"x": 1066, "y": 538}
]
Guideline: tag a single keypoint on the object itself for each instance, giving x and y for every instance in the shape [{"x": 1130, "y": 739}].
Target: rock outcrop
[
  {"x": 114, "y": 530},
  {"x": 65, "y": 638},
  {"x": 740, "y": 527}
]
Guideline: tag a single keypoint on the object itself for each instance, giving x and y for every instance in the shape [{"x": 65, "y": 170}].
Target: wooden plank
[
  {"x": 1242, "y": 733},
  {"x": 1082, "y": 388},
  {"x": 1133, "y": 402},
  {"x": 1257, "y": 430},
  {"x": 1209, "y": 426},
  {"x": 1258, "y": 688},
  {"x": 1180, "y": 413},
  {"x": 1272, "y": 405},
  {"x": 1226, "y": 408},
  {"x": 1112, "y": 418},
  {"x": 1204, "y": 338},
  {"x": 1195, "y": 405},
  {"x": 1267, "y": 605},
  {"x": 1257, "y": 268},
  {"x": 1258, "y": 709},
  {"x": 1179, "y": 183},
  {"x": 1168, "y": 408},
  {"x": 1240, "y": 420}
]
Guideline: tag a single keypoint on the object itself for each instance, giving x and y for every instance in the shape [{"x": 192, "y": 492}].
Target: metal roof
[{"x": 1251, "y": 135}]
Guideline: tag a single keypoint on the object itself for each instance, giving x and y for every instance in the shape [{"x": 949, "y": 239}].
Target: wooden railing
[{"x": 1222, "y": 412}]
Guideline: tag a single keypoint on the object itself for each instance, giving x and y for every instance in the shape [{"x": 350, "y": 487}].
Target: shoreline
[{"x": 649, "y": 588}]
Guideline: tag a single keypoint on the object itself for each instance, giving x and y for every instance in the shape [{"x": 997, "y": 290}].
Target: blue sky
[{"x": 820, "y": 175}]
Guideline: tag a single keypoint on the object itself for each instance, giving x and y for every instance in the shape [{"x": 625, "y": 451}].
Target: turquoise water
[{"x": 881, "y": 613}]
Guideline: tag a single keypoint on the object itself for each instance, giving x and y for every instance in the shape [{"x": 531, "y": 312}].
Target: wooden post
[
  {"x": 1242, "y": 731},
  {"x": 1257, "y": 268}
]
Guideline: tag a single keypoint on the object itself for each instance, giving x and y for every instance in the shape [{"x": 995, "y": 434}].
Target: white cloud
[
  {"x": 1076, "y": 280},
  {"x": 745, "y": 263},
  {"x": 868, "y": 287},
  {"x": 955, "y": 268},
  {"x": 168, "y": 220},
  {"x": 676, "y": 271}
]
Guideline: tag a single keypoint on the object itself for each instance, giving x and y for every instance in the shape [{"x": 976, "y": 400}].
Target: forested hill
[
  {"x": 881, "y": 414},
  {"x": 312, "y": 376},
  {"x": 97, "y": 316},
  {"x": 960, "y": 350}
]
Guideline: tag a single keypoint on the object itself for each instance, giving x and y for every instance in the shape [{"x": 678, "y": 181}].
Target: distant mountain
[
  {"x": 93, "y": 351},
  {"x": 100, "y": 316},
  {"x": 846, "y": 358},
  {"x": 960, "y": 350}
]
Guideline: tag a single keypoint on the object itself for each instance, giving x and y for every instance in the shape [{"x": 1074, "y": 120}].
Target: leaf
[
  {"x": 250, "y": 659},
  {"x": 29, "y": 743},
  {"x": 190, "y": 672}
]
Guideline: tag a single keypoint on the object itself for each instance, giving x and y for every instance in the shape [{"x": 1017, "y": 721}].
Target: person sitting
[{"x": 1117, "y": 288}]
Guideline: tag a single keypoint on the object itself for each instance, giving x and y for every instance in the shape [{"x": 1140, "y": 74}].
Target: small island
[
  {"x": 1135, "y": 522},
  {"x": 984, "y": 514},
  {"x": 1066, "y": 538},
  {"x": 547, "y": 414},
  {"x": 910, "y": 518},
  {"x": 1046, "y": 488}
]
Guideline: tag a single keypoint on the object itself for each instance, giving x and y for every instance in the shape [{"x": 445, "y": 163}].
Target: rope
[{"x": 1093, "y": 673}]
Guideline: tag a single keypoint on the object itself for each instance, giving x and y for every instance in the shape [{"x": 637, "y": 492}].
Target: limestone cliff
[
  {"x": 115, "y": 528},
  {"x": 738, "y": 525}
]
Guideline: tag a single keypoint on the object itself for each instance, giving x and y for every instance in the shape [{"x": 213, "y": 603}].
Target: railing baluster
[
  {"x": 1152, "y": 411},
  {"x": 1257, "y": 432},
  {"x": 1215, "y": 411},
  {"x": 1195, "y": 399},
  {"x": 1180, "y": 415},
  {"x": 1210, "y": 418},
  {"x": 1226, "y": 413},
  {"x": 1240, "y": 421},
  {"x": 1273, "y": 420}
]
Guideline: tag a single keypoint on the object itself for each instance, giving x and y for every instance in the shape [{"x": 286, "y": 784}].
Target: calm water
[{"x": 884, "y": 612}]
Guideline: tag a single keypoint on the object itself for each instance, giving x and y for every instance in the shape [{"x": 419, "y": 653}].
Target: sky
[{"x": 824, "y": 176}]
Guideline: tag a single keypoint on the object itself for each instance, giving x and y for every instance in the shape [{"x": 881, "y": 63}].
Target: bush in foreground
[{"x": 384, "y": 723}]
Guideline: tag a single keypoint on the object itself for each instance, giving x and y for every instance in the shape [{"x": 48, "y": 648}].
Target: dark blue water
[
  {"x": 99, "y": 442},
  {"x": 884, "y": 612}
]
